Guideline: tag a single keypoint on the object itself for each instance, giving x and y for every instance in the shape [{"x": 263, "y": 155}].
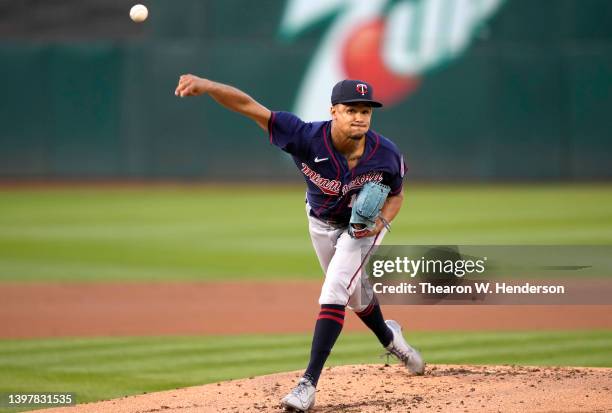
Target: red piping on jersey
[
  {"x": 361, "y": 265},
  {"x": 331, "y": 153},
  {"x": 375, "y": 147},
  {"x": 270, "y": 125},
  {"x": 337, "y": 169}
]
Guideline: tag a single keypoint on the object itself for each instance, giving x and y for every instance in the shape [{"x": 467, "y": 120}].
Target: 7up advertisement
[
  {"x": 474, "y": 90},
  {"x": 390, "y": 44}
]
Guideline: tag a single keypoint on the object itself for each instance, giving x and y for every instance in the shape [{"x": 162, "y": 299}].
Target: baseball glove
[{"x": 366, "y": 208}]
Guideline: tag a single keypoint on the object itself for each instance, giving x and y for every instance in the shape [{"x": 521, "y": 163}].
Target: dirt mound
[{"x": 377, "y": 388}]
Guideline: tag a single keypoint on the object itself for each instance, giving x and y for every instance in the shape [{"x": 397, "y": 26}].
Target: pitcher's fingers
[
  {"x": 187, "y": 91},
  {"x": 179, "y": 89},
  {"x": 184, "y": 83}
]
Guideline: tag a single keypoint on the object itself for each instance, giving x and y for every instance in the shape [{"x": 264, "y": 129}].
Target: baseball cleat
[
  {"x": 301, "y": 398},
  {"x": 402, "y": 350}
]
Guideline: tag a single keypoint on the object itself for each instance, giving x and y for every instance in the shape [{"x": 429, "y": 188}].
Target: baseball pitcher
[{"x": 354, "y": 178}]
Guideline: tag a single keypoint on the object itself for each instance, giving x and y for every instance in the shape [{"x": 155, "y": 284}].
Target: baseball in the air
[{"x": 139, "y": 13}]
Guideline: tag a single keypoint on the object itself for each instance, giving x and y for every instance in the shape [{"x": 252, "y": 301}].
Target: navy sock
[
  {"x": 327, "y": 329},
  {"x": 373, "y": 318}
]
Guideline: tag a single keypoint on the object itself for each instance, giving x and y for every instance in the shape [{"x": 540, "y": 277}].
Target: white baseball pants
[{"x": 341, "y": 258}]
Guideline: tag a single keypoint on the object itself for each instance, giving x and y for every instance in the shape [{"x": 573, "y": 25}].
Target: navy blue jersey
[{"x": 331, "y": 185}]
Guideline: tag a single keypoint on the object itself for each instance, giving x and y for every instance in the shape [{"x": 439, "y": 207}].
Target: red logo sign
[{"x": 363, "y": 89}]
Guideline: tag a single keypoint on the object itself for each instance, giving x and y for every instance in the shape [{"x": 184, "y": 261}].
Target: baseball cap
[{"x": 354, "y": 91}]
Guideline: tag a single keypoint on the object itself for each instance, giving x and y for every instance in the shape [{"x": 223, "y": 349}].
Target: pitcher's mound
[{"x": 374, "y": 388}]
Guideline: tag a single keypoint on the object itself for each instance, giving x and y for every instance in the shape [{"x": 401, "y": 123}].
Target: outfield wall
[{"x": 527, "y": 99}]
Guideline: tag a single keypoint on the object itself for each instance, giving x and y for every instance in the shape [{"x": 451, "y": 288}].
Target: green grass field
[
  {"x": 246, "y": 232},
  {"x": 207, "y": 233}
]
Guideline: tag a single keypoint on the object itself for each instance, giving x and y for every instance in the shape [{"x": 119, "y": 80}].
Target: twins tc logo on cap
[{"x": 353, "y": 91}]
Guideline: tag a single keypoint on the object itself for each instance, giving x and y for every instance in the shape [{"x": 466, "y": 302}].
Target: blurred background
[
  {"x": 476, "y": 90},
  {"x": 112, "y": 283}
]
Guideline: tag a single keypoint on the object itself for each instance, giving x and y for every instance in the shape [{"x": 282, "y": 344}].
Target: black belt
[{"x": 331, "y": 222}]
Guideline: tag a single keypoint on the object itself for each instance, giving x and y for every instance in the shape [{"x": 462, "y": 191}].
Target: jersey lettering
[
  {"x": 328, "y": 186},
  {"x": 361, "y": 180}
]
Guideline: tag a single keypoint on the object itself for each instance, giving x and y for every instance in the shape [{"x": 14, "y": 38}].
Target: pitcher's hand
[{"x": 190, "y": 85}]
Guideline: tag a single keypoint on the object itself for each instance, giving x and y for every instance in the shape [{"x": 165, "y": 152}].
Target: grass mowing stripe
[
  {"x": 227, "y": 372},
  {"x": 590, "y": 357},
  {"x": 144, "y": 343},
  {"x": 494, "y": 338},
  {"x": 33, "y": 347},
  {"x": 179, "y": 360},
  {"x": 142, "y": 354},
  {"x": 594, "y": 358},
  {"x": 542, "y": 349}
]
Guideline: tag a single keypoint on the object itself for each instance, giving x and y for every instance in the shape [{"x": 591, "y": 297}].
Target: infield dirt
[
  {"x": 32, "y": 310},
  {"x": 378, "y": 388}
]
